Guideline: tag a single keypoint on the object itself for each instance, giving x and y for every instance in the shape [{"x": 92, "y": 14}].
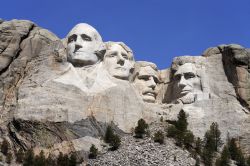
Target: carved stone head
[
  {"x": 118, "y": 60},
  {"x": 187, "y": 82},
  {"x": 84, "y": 44},
  {"x": 145, "y": 80}
]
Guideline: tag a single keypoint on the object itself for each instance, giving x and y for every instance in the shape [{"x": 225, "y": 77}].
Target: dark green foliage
[
  {"x": 212, "y": 142},
  {"x": 5, "y": 147},
  {"x": 233, "y": 148},
  {"x": 19, "y": 156},
  {"x": 240, "y": 161},
  {"x": 111, "y": 138},
  {"x": 212, "y": 138},
  {"x": 93, "y": 151},
  {"x": 179, "y": 131},
  {"x": 141, "y": 128},
  {"x": 115, "y": 142},
  {"x": 207, "y": 156},
  {"x": 182, "y": 123},
  {"x": 72, "y": 160},
  {"x": 171, "y": 131},
  {"x": 236, "y": 152},
  {"x": 50, "y": 161},
  {"x": 28, "y": 158},
  {"x": 188, "y": 139},
  {"x": 214, "y": 128},
  {"x": 62, "y": 160},
  {"x": 198, "y": 146},
  {"x": 108, "y": 134},
  {"x": 9, "y": 158},
  {"x": 40, "y": 160},
  {"x": 224, "y": 159},
  {"x": 159, "y": 137}
]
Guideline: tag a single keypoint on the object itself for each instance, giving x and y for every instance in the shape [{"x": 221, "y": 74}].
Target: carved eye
[
  {"x": 189, "y": 75},
  {"x": 72, "y": 38},
  {"x": 125, "y": 56},
  {"x": 177, "y": 77},
  {"x": 145, "y": 78},
  {"x": 112, "y": 54},
  {"x": 86, "y": 37},
  {"x": 156, "y": 80}
]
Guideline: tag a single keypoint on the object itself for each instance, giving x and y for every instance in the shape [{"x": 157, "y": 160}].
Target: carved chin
[
  {"x": 148, "y": 99},
  {"x": 188, "y": 98},
  {"x": 83, "y": 58},
  {"x": 120, "y": 74}
]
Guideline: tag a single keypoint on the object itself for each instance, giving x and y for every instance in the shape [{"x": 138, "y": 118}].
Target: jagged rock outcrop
[{"x": 58, "y": 95}]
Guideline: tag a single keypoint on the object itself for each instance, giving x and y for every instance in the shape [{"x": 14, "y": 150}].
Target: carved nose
[
  {"x": 120, "y": 60},
  {"x": 182, "y": 82},
  {"x": 151, "y": 83},
  {"x": 77, "y": 47}
]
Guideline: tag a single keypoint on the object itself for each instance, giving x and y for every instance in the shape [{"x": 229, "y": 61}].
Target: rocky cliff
[{"x": 59, "y": 95}]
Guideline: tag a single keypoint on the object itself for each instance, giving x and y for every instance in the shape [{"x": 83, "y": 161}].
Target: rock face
[{"x": 58, "y": 95}]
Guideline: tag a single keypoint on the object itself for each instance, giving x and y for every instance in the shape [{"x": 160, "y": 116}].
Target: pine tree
[
  {"x": 188, "y": 139},
  {"x": 40, "y": 160},
  {"x": 224, "y": 159},
  {"x": 233, "y": 149},
  {"x": 62, "y": 160},
  {"x": 182, "y": 123},
  {"x": 140, "y": 129},
  {"x": 108, "y": 134},
  {"x": 115, "y": 142},
  {"x": 50, "y": 161},
  {"x": 159, "y": 137},
  {"x": 19, "y": 156},
  {"x": 215, "y": 132},
  {"x": 198, "y": 146},
  {"x": 93, "y": 151},
  {"x": 212, "y": 138},
  {"x": 5, "y": 147},
  {"x": 240, "y": 161},
  {"x": 29, "y": 158},
  {"x": 171, "y": 131},
  {"x": 72, "y": 160},
  {"x": 207, "y": 156}
]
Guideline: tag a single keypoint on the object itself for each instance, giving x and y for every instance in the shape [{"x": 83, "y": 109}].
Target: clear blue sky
[{"x": 156, "y": 30}]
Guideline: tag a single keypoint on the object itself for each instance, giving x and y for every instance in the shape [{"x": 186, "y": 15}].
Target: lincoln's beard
[{"x": 188, "y": 98}]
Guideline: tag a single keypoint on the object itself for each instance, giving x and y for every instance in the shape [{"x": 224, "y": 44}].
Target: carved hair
[
  {"x": 138, "y": 66},
  {"x": 109, "y": 44}
]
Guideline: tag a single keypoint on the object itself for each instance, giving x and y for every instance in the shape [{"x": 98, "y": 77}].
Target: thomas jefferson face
[
  {"x": 187, "y": 81},
  {"x": 146, "y": 82},
  {"x": 118, "y": 61},
  {"x": 83, "y": 43}
]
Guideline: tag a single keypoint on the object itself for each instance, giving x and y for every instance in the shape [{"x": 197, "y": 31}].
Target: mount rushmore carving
[{"x": 69, "y": 89}]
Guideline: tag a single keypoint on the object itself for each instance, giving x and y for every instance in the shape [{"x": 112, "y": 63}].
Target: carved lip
[
  {"x": 120, "y": 68},
  {"x": 149, "y": 93},
  {"x": 185, "y": 91}
]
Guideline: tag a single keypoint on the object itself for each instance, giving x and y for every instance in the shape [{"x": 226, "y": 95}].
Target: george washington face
[{"x": 83, "y": 43}]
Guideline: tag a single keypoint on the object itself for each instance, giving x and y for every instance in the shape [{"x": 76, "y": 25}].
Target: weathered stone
[{"x": 54, "y": 99}]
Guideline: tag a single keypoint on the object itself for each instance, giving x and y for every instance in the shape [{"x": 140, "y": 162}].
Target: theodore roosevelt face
[
  {"x": 146, "y": 81},
  {"x": 83, "y": 41}
]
